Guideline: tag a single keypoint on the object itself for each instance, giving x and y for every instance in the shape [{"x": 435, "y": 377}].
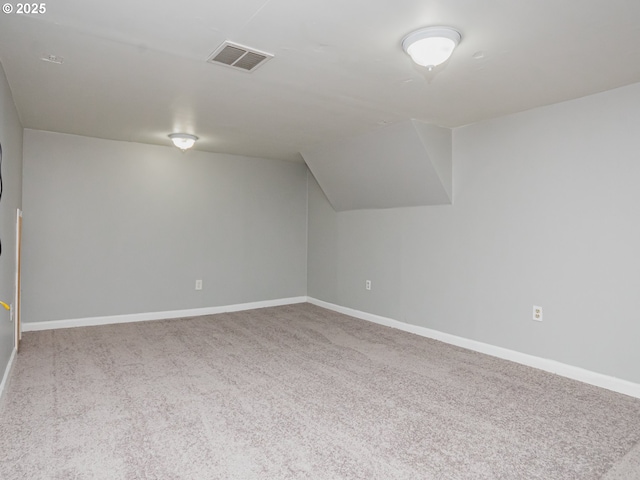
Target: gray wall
[
  {"x": 400, "y": 165},
  {"x": 119, "y": 228},
  {"x": 546, "y": 211},
  {"x": 11, "y": 139}
]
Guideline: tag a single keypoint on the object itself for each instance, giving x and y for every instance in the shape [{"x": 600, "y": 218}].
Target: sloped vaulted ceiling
[
  {"x": 406, "y": 164},
  {"x": 136, "y": 70}
]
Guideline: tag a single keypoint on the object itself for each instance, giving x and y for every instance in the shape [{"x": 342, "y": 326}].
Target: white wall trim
[
  {"x": 7, "y": 372},
  {"x": 598, "y": 379},
  {"x": 144, "y": 317},
  {"x": 586, "y": 376}
]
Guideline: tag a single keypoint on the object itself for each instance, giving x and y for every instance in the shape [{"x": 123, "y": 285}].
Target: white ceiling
[{"x": 136, "y": 70}]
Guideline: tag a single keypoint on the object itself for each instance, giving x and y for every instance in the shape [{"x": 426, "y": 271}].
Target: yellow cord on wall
[{"x": 5, "y": 305}]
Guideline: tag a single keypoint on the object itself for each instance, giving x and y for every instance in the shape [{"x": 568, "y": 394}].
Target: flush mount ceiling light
[
  {"x": 183, "y": 141},
  {"x": 53, "y": 59},
  {"x": 431, "y": 46}
]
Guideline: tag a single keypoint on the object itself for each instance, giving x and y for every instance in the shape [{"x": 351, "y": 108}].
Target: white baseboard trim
[
  {"x": 144, "y": 317},
  {"x": 7, "y": 372},
  {"x": 586, "y": 376}
]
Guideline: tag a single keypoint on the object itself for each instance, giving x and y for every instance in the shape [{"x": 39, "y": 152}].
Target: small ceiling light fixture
[
  {"x": 53, "y": 59},
  {"x": 431, "y": 46},
  {"x": 184, "y": 141}
]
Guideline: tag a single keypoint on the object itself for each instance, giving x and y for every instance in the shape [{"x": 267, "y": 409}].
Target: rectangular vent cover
[{"x": 239, "y": 56}]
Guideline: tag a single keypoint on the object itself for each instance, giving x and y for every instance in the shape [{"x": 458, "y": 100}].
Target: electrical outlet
[
  {"x": 537, "y": 313},
  {"x": 367, "y": 284},
  {"x": 198, "y": 284}
]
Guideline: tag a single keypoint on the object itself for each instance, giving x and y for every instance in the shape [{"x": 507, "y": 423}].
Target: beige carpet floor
[{"x": 298, "y": 392}]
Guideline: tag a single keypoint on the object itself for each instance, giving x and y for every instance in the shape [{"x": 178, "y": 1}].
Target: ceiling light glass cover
[
  {"x": 183, "y": 141},
  {"x": 431, "y": 46}
]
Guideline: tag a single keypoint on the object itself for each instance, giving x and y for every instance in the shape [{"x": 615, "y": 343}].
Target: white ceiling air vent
[{"x": 239, "y": 56}]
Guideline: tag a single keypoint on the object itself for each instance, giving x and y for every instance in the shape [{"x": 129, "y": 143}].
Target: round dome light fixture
[
  {"x": 431, "y": 46},
  {"x": 184, "y": 141}
]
